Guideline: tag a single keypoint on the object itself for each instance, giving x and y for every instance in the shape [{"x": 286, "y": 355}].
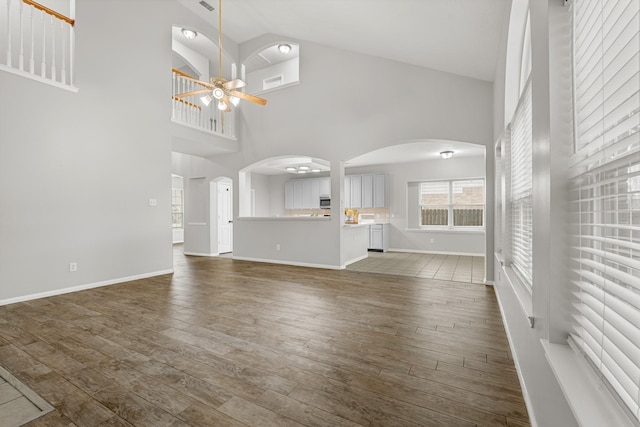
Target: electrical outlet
[
  {"x": 432, "y": 240},
  {"x": 153, "y": 202},
  {"x": 278, "y": 247},
  {"x": 73, "y": 266}
]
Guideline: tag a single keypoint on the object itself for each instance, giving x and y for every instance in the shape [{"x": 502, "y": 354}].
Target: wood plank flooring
[{"x": 234, "y": 343}]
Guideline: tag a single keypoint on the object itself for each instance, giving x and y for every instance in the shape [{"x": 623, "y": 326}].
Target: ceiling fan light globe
[
  {"x": 234, "y": 100},
  {"x": 222, "y": 105},
  {"x": 206, "y": 99},
  {"x": 217, "y": 93}
]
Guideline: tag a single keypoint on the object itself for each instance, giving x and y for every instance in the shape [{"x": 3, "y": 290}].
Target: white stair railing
[
  {"x": 192, "y": 112},
  {"x": 41, "y": 34}
]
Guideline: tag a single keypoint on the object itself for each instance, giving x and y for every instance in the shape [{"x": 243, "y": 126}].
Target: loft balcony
[{"x": 37, "y": 42}]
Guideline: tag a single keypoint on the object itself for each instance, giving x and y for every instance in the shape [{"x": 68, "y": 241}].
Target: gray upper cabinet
[
  {"x": 347, "y": 192},
  {"x": 379, "y": 189},
  {"x": 325, "y": 187},
  {"x": 356, "y": 191},
  {"x": 367, "y": 191},
  {"x": 364, "y": 191},
  {"x": 288, "y": 195},
  {"x": 305, "y": 193}
]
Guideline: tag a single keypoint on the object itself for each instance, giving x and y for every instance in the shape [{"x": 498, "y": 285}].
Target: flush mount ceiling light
[
  {"x": 446, "y": 154},
  {"x": 189, "y": 34},
  {"x": 284, "y": 48}
]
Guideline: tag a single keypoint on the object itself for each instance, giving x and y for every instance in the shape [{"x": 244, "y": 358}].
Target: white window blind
[
  {"x": 521, "y": 202},
  {"x": 606, "y": 192}
]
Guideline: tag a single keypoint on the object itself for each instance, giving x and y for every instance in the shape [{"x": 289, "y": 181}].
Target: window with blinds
[
  {"x": 606, "y": 192},
  {"x": 521, "y": 201}
]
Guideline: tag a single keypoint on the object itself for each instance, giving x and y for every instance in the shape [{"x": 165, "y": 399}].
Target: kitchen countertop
[{"x": 284, "y": 218}]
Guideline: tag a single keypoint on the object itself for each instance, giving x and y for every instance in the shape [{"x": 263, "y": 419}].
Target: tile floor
[
  {"x": 457, "y": 268},
  {"x": 18, "y": 404}
]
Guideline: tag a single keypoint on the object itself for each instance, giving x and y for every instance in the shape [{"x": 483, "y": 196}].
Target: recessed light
[
  {"x": 291, "y": 169},
  {"x": 446, "y": 154},
  {"x": 315, "y": 170},
  {"x": 284, "y": 48},
  {"x": 302, "y": 171},
  {"x": 189, "y": 34},
  {"x": 304, "y": 168}
]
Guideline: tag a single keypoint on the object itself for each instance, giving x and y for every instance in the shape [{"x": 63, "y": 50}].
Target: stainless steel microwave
[{"x": 325, "y": 202}]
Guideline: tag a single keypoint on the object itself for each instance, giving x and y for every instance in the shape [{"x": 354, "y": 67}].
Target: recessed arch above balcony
[{"x": 274, "y": 66}]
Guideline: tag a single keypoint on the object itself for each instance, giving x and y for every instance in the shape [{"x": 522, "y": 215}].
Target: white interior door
[{"x": 225, "y": 218}]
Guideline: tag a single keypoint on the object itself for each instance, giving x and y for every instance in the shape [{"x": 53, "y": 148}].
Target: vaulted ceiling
[{"x": 456, "y": 36}]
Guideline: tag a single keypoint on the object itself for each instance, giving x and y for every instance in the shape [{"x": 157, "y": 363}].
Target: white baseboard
[
  {"x": 297, "y": 264},
  {"x": 82, "y": 287},
  {"x": 351, "y": 261},
  {"x": 201, "y": 254},
  {"x": 418, "y": 251}
]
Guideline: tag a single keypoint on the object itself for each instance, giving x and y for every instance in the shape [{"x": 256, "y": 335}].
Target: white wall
[
  {"x": 198, "y": 62},
  {"x": 261, "y": 186},
  {"x": 404, "y": 234},
  {"x": 288, "y": 69},
  {"x": 77, "y": 170}
]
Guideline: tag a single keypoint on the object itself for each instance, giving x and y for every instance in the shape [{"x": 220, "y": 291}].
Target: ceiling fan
[{"x": 220, "y": 89}]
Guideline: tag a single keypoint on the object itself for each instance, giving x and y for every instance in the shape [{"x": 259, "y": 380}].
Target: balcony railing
[
  {"x": 192, "y": 112},
  {"x": 36, "y": 41}
]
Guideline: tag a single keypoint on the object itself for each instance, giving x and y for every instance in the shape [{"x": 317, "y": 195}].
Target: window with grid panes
[
  {"x": 457, "y": 203},
  {"x": 177, "y": 208}
]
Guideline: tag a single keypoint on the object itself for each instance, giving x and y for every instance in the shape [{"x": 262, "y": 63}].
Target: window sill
[
  {"x": 446, "y": 230},
  {"x": 589, "y": 399}
]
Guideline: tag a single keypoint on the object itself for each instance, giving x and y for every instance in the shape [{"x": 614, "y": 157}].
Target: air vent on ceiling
[{"x": 206, "y": 6}]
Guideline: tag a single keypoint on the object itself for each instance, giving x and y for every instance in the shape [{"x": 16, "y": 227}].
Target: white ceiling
[
  {"x": 457, "y": 36},
  {"x": 416, "y": 151}
]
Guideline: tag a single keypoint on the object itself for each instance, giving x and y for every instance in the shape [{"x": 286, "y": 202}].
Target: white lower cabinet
[{"x": 379, "y": 237}]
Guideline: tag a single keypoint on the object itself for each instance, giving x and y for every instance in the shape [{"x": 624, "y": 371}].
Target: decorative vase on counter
[{"x": 352, "y": 216}]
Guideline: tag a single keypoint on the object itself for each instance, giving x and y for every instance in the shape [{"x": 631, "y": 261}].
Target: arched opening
[
  {"x": 285, "y": 186},
  {"x": 434, "y": 213}
]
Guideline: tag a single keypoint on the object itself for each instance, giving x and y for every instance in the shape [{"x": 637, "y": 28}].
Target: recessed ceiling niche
[{"x": 275, "y": 67}]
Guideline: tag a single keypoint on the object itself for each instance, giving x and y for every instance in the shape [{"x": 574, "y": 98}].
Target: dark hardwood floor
[{"x": 234, "y": 343}]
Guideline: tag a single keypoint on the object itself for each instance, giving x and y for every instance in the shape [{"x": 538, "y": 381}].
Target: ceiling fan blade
[
  {"x": 234, "y": 84},
  {"x": 248, "y": 97},
  {"x": 195, "y": 92}
]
